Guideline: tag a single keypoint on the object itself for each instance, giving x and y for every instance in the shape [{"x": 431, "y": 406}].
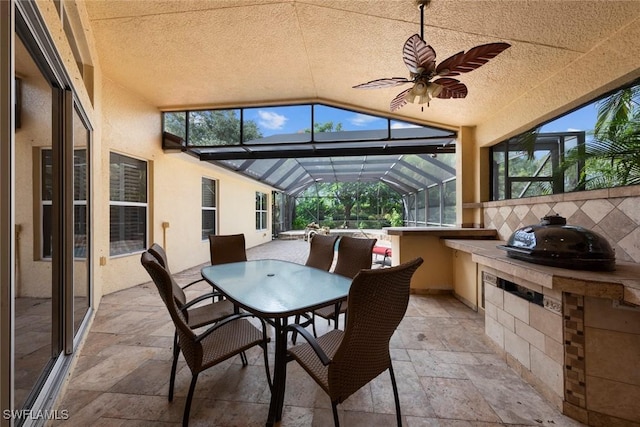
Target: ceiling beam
[{"x": 329, "y": 152}]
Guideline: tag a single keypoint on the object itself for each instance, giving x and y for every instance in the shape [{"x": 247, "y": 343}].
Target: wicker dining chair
[
  {"x": 226, "y": 338},
  {"x": 227, "y": 248},
  {"x": 321, "y": 252},
  {"x": 197, "y": 315},
  {"x": 354, "y": 254},
  {"x": 342, "y": 362},
  {"x": 161, "y": 255}
]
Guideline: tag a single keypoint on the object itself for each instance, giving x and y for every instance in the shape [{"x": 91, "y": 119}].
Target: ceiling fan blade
[
  {"x": 476, "y": 57},
  {"x": 417, "y": 54},
  {"x": 399, "y": 101},
  {"x": 382, "y": 83},
  {"x": 451, "y": 88}
]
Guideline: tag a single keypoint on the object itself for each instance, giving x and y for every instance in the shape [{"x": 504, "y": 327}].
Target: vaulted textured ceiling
[{"x": 192, "y": 53}]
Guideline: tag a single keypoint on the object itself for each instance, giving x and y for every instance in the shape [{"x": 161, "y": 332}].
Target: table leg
[{"x": 279, "y": 372}]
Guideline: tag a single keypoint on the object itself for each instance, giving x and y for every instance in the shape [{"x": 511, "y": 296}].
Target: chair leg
[
  {"x": 336, "y": 420},
  {"x": 187, "y": 405},
  {"x": 266, "y": 367},
  {"x": 395, "y": 395},
  {"x": 243, "y": 358},
  {"x": 294, "y": 334},
  {"x": 336, "y": 316},
  {"x": 174, "y": 364},
  {"x": 313, "y": 325}
]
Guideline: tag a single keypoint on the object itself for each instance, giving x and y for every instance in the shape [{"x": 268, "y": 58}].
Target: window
[
  {"x": 208, "y": 207},
  {"x": 46, "y": 177},
  {"x": 261, "y": 211},
  {"x": 128, "y": 205},
  {"x": 588, "y": 148},
  {"x": 79, "y": 202}
]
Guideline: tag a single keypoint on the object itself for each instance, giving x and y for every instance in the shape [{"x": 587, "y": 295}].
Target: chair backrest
[
  {"x": 163, "y": 281},
  {"x": 354, "y": 254},
  {"x": 227, "y": 248},
  {"x": 377, "y": 301},
  {"x": 160, "y": 255},
  {"x": 161, "y": 277},
  {"x": 321, "y": 251}
]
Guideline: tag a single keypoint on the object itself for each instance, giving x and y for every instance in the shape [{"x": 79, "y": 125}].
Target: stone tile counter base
[{"x": 573, "y": 335}]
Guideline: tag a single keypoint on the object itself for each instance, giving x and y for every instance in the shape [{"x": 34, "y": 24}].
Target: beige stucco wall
[
  {"x": 591, "y": 76},
  {"x": 124, "y": 123},
  {"x": 133, "y": 127}
]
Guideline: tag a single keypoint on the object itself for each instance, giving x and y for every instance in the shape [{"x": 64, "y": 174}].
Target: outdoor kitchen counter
[
  {"x": 436, "y": 276},
  {"x": 574, "y": 335},
  {"x": 622, "y": 284}
]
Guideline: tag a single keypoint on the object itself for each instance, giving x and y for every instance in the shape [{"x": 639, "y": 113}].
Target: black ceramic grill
[{"x": 554, "y": 243}]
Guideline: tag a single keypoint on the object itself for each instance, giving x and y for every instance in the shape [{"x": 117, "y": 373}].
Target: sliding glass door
[{"x": 52, "y": 280}]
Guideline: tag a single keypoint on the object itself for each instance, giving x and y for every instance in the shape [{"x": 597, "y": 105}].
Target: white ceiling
[{"x": 216, "y": 53}]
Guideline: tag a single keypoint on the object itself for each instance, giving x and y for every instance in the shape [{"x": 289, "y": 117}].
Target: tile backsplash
[{"x": 614, "y": 213}]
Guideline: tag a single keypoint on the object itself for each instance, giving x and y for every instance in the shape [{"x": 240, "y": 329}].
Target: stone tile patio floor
[{"x": 447, "y": 373}]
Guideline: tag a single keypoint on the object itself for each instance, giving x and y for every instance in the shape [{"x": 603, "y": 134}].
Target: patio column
[{"x": 471, "y": 179}]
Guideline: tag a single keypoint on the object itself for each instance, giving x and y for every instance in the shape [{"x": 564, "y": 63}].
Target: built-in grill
[{"x": 554, "y": 243}]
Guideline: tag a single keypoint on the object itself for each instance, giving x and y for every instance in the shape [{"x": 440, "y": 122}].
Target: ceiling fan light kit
[{"x": 420, "y": 59}]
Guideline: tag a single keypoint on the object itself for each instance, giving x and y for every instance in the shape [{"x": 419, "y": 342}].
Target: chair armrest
[
  {"x": 199, "y": 299},
  {"x": 192, "y": 283},
  {"x": 312, "y": 342},
  {"x": 221, "y": 323}
]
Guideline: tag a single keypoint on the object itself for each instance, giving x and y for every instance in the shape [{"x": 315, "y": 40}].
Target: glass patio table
[{"x": 276, "y": 290}]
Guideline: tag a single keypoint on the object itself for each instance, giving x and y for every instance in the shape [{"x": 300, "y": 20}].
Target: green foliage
[
  {"x": 211, "y": 127},
  {"x": 299, "y": 224},
  {"x": 325, "y": 127},
  {"x": 176, "y": 123},
  {"x": 527, "y": 142},
  {"x": 612, "y": 157},
  {"x": 394, "y": 217},
  {"x": 348, "y": 204}
]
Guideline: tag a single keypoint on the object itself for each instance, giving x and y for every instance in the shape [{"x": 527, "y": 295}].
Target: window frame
[
  {"x": 144, "y": 204},
  {"x": 214, "y": 208},
  {"x": 262, "y": 211},
  {"x": 42, "y": 255},
  {"x": 563, "y": 180}
]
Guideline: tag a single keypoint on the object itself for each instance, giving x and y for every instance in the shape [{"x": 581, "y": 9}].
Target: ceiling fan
[{"x": 420, "y": 59}]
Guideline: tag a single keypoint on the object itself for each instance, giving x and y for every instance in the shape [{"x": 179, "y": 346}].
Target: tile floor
[{"x": 447, "y": 373}]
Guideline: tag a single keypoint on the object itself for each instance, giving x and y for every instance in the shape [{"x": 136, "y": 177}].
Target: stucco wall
[
  {"x": 131, "y": 126},
  {"x": 124, "y": 123},
  {"x": 591, "y": 77}
]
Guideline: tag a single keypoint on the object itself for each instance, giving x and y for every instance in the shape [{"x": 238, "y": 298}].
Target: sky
[
  {"x": 297, "y": 118},
  {"x": 583, "y": 119}
]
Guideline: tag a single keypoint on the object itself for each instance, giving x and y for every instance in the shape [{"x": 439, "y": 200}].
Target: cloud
[
  {"x": 362, "y": 119},
  {"x": 397, "y": 125},
  {"x": 271, "y": 120}
]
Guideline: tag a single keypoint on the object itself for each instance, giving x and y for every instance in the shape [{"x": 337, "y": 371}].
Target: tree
[
  {"x": 346, "y": 193},
  {"x": 211, "y": 127},
  {"x": 612, "y": 156},
  {"x": 325, "y": 127},
  {"x": 372, "y": 203}
]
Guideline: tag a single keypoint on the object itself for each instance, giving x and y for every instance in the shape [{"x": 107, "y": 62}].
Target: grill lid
[{"x": 554, "y": 243}]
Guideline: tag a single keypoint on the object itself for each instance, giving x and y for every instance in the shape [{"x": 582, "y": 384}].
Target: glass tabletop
[{"x": 274, "y": 288}]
